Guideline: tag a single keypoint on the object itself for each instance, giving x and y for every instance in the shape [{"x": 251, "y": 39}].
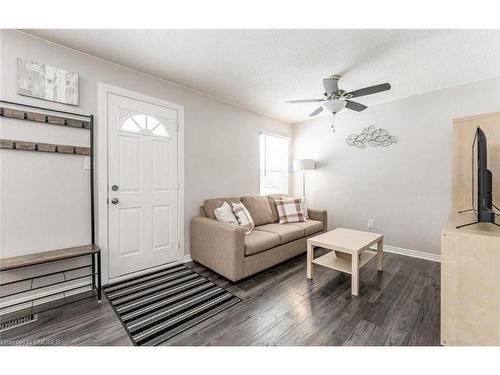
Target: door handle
[{"x": 115, "y": 200}]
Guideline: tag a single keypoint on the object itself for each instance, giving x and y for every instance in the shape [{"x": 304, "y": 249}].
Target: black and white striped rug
[{"x": 157, "y": 306}]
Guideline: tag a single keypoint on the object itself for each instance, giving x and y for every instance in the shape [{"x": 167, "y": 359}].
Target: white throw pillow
[
  {"x": 244, "y": 218},
  {"x": 225, "y": 214}
]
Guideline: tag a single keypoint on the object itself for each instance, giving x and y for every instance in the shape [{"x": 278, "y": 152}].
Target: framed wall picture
[{"x": 46, "y": 82}]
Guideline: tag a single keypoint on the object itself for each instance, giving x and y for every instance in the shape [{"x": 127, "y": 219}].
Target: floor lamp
[{"x": 303, "y": 165}]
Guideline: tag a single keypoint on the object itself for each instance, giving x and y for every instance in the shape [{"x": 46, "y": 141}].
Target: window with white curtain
[{"x": 273, "y": 164}]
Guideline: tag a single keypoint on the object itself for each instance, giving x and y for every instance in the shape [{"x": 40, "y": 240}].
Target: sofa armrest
[
  {"x": 218, "y": 246},
  {"x": 320, "y": 215}
]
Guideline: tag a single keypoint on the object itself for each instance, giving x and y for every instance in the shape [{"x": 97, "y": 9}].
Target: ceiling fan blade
[
  {"x": 355, "y": 106},
  {"x": 369, "y": 90},
  {"x": 316, "y": 112},
  {"x": 331, "y": 85},
  {"x": 306, "y": 101}
]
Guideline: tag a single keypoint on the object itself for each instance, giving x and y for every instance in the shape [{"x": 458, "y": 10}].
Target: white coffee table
[{"x": 349, "y": 241}]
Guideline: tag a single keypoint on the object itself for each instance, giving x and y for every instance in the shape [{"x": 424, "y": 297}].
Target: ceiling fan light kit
[
  {"x": 336, "y": 99},
  {"x": 334, "y": 106}
]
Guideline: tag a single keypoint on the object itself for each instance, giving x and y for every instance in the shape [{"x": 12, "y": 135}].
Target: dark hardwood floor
[{"x": 399, "y": 306}]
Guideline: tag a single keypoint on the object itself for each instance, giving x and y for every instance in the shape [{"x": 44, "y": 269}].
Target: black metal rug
[{"x": 159, "y": 305}]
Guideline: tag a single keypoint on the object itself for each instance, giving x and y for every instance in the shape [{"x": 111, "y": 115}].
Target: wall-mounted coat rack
[
  {"x": 43, "y": 118},
  {"x": 43, "y": 147},
  {"x": 77, "y": 121}
]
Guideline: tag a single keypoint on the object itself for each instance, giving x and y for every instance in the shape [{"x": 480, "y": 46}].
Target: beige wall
[
  {"x": 221, "y": 150},
  {"x": 405, "y": 188}
]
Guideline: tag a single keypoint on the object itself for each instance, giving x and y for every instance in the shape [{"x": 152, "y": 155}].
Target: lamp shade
[{"x": 303, "y": 164}]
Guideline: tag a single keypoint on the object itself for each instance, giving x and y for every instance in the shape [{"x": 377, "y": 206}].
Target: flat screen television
[
  {"x": 483, "y": 202},
  {"x": 485, "y": 213}
]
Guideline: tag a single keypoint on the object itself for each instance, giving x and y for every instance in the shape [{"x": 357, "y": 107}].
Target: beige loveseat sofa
[{"x": 226, "y": 249}]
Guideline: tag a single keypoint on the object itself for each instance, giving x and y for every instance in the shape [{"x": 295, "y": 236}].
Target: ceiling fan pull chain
[{"x": 333, "y": 122}]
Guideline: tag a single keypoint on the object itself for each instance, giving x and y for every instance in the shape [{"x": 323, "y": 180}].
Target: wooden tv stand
[{"x": 470, "y": 282}]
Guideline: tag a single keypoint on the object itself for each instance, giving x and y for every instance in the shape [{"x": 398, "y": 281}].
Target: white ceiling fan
[{"x": 335, "y": 99}]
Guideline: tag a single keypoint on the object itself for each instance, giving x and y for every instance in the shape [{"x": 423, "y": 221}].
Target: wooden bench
[{"x": 13, "y": 263}]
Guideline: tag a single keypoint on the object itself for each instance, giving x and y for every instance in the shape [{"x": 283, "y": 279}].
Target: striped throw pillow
[
  {"x": 290, "y": 210},
  {"x": 243, "y": 217}
]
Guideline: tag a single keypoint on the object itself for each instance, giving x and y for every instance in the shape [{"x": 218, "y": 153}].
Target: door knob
[
  {"x": 114, "y": 187},
  {"x": 115, "y": 200}
]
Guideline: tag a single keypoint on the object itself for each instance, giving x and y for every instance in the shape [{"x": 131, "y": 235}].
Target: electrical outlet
[
  {"x": 86, "y": 162},
  {"x": 371, "y": 223}
]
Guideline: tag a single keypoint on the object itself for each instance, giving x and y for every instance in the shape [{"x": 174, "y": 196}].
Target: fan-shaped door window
[{"x": 144, "y": 124}]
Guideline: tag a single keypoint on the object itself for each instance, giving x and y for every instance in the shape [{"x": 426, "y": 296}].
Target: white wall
[
  {"x": 406, "y": 187},
  {"x": 45, "y": 198}
]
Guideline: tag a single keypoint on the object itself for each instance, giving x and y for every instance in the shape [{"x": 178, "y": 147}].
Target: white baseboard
[
  {"x": 387, "y": 248},
  {"x": 413, "y": 253}
]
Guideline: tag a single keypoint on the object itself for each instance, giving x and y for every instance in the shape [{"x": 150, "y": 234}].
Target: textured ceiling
[{"x": 261, "y": 69}]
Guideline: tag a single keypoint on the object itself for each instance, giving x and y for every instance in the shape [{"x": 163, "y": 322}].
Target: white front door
[{"x": 142, "y": 185}]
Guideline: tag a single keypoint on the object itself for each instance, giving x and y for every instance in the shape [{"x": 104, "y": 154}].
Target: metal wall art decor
[
  {"x": 371, "y": 136},
  {"x": 46, "y": 82}
]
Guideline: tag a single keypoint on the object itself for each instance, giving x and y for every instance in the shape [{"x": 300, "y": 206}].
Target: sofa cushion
[
  {"x": 259, "y": 241},
  {"x": 309, "y": 226},
  {"x": 286, "y": 232},
  {"x": 272, "y": 198},
  {"x": 211, "y": 204},
  {"x": 259, "y": 208}
]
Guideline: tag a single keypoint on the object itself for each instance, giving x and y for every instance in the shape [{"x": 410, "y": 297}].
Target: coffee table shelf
[{"x": 330, "y": 260}]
